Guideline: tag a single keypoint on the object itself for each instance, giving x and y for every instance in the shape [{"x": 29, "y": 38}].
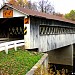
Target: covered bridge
[{"x": 39, "y": 30}]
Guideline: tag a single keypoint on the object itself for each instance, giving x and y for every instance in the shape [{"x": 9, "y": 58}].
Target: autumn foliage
[
  {"x": 14, "y": 2},
  {"x": 18, "y": 2}
]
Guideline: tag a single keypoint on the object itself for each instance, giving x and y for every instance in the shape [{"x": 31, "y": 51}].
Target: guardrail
[
  {"x": 12, "y": 44},
  {"x": 41, "y": 67}
]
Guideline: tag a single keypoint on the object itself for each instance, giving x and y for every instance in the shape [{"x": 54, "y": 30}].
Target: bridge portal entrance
[{"x": 11, "y": 29}]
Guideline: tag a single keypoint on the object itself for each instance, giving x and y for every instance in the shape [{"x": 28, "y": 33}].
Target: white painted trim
[{"x": 12, "y": 44}]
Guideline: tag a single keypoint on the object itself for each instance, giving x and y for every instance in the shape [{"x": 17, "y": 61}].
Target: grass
[{"x": 17, "y": 63}]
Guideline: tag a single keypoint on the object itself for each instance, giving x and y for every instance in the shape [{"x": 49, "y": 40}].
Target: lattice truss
[
  {"x": 55, "y": 30},
  {"x": 16, "y": 31}
]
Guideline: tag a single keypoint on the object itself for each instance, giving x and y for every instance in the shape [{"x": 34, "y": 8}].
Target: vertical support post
[
  {"x": 15, "y": 47},
  {"x": 27, "y": 32},
  {"x": 6, "y": 48}
]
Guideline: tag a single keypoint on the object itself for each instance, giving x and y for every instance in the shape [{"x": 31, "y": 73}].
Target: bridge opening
[{"x": 11, "y": 29}]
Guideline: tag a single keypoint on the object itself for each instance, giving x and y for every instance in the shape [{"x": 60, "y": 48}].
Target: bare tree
[
  {"x": 30, "y": 5},
  {"x": 34, "y": 6},
  {"x": 45, "y": 6},
  {"x": 24, "y": 3}
]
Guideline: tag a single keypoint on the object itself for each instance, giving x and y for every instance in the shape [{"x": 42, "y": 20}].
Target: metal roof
[{"x": 39, "y": 14}]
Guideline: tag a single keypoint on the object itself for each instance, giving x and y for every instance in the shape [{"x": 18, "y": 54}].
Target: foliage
[
  {"x": 24, "y": 3},
  {"x": 43, "y": 5},
  {"x": 59, "y": 69},
  {"x": 13, "y": 2},
  {"x": 41, "y": 70},
  {"x": 70, "y": 15},
  {"x": 17, "y": 63},
  {"x": 30, "y": 5}
]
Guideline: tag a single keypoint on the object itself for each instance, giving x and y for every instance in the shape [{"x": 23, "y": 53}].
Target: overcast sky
[{"x": 61, "y": 6}]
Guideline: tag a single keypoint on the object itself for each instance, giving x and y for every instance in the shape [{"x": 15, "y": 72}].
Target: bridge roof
[{"x": 38, "y": 14}]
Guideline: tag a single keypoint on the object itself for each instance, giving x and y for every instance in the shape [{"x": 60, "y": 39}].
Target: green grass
[{"x": 17, "y": 62}]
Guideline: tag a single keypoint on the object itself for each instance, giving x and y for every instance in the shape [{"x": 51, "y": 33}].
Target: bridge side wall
[{"x": 51, "y": 41}]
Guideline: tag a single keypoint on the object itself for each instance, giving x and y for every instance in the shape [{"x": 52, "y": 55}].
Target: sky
[{"x": 61, "y": 6}]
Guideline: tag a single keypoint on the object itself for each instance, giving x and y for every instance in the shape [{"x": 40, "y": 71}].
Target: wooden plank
[
  {"x": 43, "y": 42},
  {"x": 35, "y": 36},
  {"x": 48, "y": 42},
  {"x": 3, "y": 39},
  {"x": 34, "y": 33},
  {"x": 31, "y": 34}
]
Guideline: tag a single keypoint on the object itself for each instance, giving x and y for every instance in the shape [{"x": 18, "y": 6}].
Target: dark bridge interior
[{"x": 12, "y": 28}]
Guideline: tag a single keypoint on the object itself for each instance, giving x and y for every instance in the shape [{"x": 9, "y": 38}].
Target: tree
[
  {"x": 34, "y": 6},
  {"x": 70, "y": 15},
  {"x": 17, "y": 2},
  {"x": 24, "y": 3},
  {"x": 45, "y": 6},
  {"x": 14, "y": 2}
]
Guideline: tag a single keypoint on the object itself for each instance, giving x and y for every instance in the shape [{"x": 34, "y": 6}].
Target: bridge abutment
[
  {"x": 63, "y": 55},
  {"x": 73, "y": 57}
]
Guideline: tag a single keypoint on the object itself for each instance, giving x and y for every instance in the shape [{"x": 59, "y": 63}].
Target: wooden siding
[
  {"x": 51, "y": 41},
  {"x": 34, "y": 34}
]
